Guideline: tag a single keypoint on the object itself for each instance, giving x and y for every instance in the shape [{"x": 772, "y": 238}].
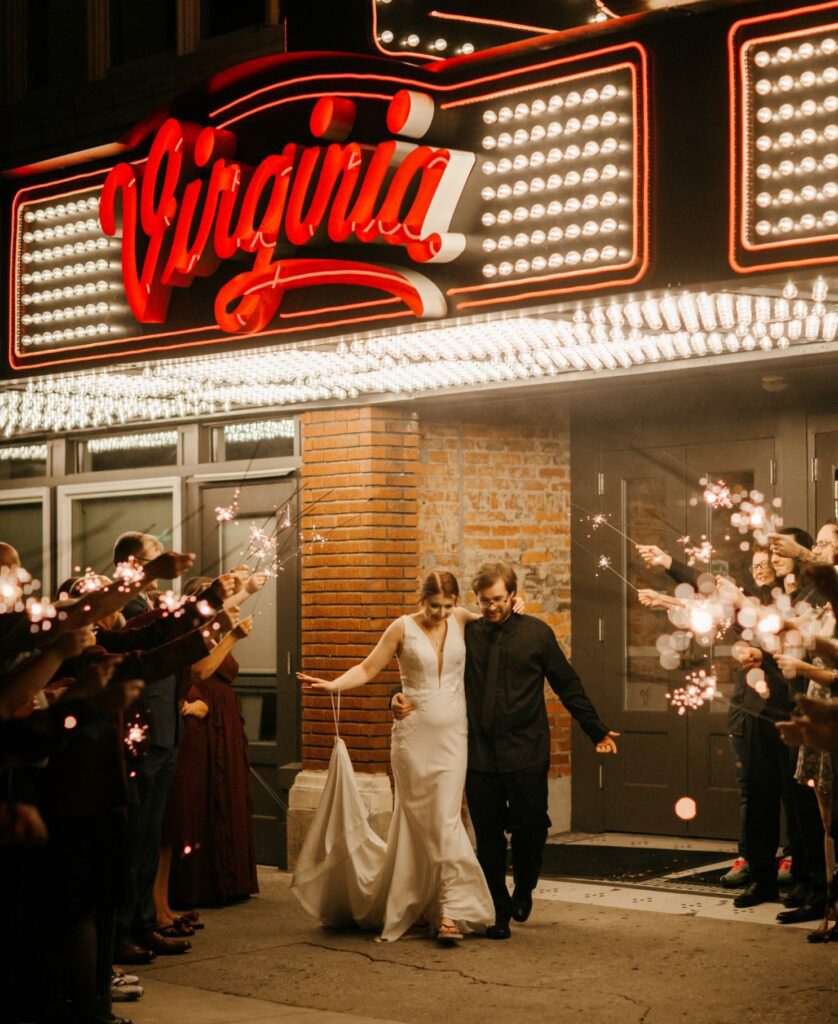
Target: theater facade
[{"x": 447, "y": 295}]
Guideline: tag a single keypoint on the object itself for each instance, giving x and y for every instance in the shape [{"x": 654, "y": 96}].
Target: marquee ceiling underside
[{"x": 609, "y": 337}]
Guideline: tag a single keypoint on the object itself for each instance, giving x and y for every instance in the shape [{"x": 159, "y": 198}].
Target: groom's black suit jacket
[{"x": 510, "y": 732}]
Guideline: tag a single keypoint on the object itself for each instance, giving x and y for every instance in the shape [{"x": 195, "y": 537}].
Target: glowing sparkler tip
[{"x": 604, "y": 562}]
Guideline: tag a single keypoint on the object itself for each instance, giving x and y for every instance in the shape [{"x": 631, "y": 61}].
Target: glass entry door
[
  {"x": 654, "y": 496},
  {"x": 263, "y": 534}
]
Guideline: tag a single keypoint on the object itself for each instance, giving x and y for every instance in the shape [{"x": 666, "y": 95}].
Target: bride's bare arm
[
  {"x": 463, "y": 615},
  {"x": 376, "y": 661}
]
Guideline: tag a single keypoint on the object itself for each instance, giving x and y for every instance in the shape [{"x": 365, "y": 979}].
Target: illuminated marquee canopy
[{"x": 308, "y": 198}]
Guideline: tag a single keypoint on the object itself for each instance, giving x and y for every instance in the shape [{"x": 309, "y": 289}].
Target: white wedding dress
[{"x": 427, "y": 866}]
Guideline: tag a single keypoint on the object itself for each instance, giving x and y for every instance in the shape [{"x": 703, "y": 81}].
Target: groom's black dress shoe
[
  {"x": 808, "y": 912},
  {"x": 498, "y": 930},
  {"x": 521, "y": 905}
]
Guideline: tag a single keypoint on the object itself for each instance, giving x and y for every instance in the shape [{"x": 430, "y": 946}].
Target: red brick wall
[
  {"x": 501, "y": 490},
  {"x": 360, "y": 464}
]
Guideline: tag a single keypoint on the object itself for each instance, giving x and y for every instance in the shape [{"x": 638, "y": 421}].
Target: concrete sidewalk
[{"x": 598, "y": 954}]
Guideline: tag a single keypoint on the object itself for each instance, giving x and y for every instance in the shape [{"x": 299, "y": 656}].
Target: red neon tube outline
[
  {"x": 495, "y": 22},
  {"x": 736, "y": 199},
  {"x": 395, "y": 53},
  {"x": 427, "y": 85},
  {"x": 743, "y": 241}
]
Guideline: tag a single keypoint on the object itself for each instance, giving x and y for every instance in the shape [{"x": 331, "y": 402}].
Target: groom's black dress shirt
[{"x": 506, "y": 665}]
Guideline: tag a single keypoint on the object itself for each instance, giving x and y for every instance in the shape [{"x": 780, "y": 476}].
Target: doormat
[{"x": 627, "y": 865}]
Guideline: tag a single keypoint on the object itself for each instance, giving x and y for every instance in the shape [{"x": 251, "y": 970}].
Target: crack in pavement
[{"x": 433, "y": 970}]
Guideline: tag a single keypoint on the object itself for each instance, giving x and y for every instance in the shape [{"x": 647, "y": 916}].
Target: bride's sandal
[{"x": 448, "y": 934}]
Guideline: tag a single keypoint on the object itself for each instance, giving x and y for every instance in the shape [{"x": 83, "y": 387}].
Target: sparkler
[
  {"x": 128, "y": 573},
  {"x": 701, "y": 552},
  {"x": 716, "y": 493},
  {"x": 15, "y": 583},
  {"x": 597, "y": 519},
  {"x": 172, "y": 603},
  {"x": 135, "y": 735},
  {"x": 227, "y": 513},
  {"x": 89, "y": 582},
  {"x": 700, "y": 688},
  {"x": 40, "y": 611},
  {"x": 753, "y": 517},
  {"x": 604, "y": 562}
]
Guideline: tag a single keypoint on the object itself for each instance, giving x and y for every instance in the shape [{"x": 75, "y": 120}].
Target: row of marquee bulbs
[
  {"x": 71, "y": 209},
  {"x": 612, "y": 337},
  {"x": 806, "y": 51},
  {"x": 606, "y": 121}
]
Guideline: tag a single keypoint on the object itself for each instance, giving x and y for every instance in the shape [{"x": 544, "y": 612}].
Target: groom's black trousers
[{"x": 514, "y": 803}]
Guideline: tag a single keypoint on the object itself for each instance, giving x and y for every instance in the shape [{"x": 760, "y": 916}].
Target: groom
[{"x": 508, "y": 658}]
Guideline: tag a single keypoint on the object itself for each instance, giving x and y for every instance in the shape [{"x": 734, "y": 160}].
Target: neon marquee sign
[{"x": 320, "y": 194}]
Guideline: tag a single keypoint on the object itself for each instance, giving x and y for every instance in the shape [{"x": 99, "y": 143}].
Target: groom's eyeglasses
[{"x": 492, "y": 602}]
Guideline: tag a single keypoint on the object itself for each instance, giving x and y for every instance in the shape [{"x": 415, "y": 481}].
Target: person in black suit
[
  {"x": 508, "y": 658},
  {"x": 138, "y": 940}
]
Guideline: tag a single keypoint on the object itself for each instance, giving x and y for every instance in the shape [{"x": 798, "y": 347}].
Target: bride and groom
[{"x": 470, "y": 715}]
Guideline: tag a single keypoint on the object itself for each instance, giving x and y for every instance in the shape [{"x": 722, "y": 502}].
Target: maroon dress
[{"x": 211, "y": 812}]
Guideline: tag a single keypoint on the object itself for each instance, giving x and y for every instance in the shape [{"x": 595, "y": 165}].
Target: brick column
[{"x": 359, "y": 571}]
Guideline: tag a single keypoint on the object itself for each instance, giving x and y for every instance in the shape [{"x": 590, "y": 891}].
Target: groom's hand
[
  {"x": 607, "y": 745},
  {"x": 400, "y": 706}
]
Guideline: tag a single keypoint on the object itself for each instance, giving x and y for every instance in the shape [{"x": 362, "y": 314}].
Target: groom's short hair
[{"x": 491, "y": 572}]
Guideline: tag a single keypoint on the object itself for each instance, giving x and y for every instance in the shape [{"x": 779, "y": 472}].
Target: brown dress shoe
[
  {"x": 128, "y": 952},
  {"x": 163, "y": 946}
]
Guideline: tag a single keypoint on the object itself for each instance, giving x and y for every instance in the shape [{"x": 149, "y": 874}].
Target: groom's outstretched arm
[{"x": 567, "y": 686}]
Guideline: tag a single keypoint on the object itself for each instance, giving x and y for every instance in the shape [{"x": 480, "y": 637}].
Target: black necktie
[{"x": 487, "y": 713}]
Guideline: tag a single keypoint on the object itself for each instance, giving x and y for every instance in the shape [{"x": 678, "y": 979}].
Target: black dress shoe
[
  {"x": 755, "y": 894},
  {"x": 808, "y": 912},
  {"x": 499, "y": 930},
  {"x": 521, "y": 905},
  {"x": 126, "y": 951},
  {"x": 164, "y": 946},
  {"x": 797, "y": 896}
]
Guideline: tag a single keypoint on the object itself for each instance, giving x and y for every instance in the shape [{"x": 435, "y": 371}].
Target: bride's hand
[
  {"x": 519, "y": 605},
  {"x": 315, "y": 683},
  {"x": 400, "y": 706}
]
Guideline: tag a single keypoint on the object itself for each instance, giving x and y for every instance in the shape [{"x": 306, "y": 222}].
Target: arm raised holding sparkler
[
  {"x": 18, "y": 687},
  {"x": 98, "y": 605}
]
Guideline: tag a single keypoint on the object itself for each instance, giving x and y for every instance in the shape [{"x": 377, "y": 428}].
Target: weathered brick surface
[
  {"x": 498, "y": 490},
  {"x": 399, "y": 495},
  {"x": 359, "y": 566}
]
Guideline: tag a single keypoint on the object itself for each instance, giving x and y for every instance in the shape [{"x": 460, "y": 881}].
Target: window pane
[
  {"x": 142, "y": 30},
  {"x": 21, "y": 525},
  {"x": 97, "y": 522},
  {"x": 221, "y": 16},
  {"x": 129, "y": 451},
  {"x": 261, "y": 439},
  {"x": 258, "y": 652},
  {"x": 259, "y": 713},
  {"x": 23, "y": 460}
]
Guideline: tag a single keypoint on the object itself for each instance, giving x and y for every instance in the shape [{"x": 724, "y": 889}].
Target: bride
[{"x": 428, "y": 872}]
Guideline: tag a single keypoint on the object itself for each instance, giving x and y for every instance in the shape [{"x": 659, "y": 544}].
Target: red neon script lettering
[{"x": 192, "y": 206}]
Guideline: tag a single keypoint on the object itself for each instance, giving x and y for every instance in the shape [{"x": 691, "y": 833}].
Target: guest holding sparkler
[
  {"x": 138, "y": 940},
  {"x": 208, "y": 856},
  {"x": 762, "y": 582}
]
